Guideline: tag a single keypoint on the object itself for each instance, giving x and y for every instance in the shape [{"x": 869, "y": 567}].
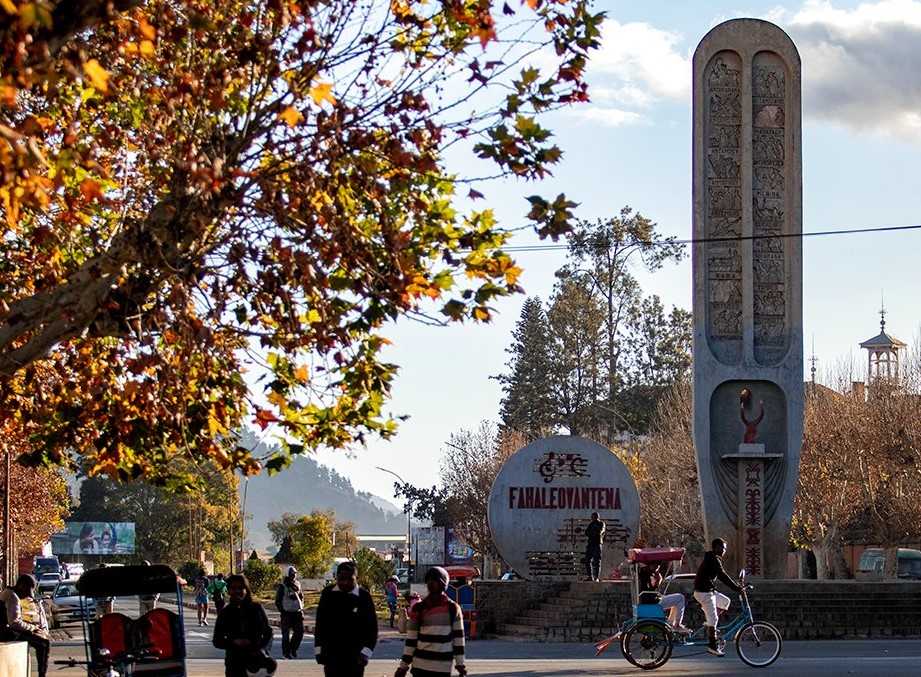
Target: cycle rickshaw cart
[
  {"x": 127, "y": 642},
  {"x": 647, "y": 640}
]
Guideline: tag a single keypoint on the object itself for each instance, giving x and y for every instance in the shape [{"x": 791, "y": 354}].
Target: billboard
[{"x": 94, "y": 538}]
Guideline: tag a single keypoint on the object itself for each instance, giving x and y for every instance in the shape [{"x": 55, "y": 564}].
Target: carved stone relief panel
[
  {"x": 768, "y": 206},
  {"x": 723, "y": 124}
]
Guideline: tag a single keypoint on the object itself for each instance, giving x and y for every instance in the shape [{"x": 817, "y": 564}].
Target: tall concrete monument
[{"x": 748, "y": 329}]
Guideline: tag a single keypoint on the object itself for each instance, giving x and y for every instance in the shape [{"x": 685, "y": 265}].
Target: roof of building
[{"x": 883, "y": 340}]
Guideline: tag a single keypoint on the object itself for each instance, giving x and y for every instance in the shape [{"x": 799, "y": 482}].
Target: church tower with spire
[{"x": 882, "y": 360}]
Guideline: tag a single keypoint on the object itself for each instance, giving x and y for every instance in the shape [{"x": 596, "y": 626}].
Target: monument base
[{"x": 752, "y": 450}]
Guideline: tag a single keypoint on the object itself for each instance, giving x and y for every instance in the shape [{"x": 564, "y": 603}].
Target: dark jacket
[
  {"x": 242, "y": 621},
  {"x": 594, "y": 534},
  {"x": 346, "y": 624},
  {"x": 287, "y": 588},
  {"x": 711, "y": 569}
]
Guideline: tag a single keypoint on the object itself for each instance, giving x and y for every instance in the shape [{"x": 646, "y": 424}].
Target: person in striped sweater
[{"x": 435, "y": 632}]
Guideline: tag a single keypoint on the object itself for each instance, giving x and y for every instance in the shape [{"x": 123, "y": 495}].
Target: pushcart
[
  {"x": 130, "y": 639},
  {"x": 647, "y": 640}
]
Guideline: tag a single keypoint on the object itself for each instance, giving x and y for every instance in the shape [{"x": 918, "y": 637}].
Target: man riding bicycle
[{"x": 705, "y": 592}]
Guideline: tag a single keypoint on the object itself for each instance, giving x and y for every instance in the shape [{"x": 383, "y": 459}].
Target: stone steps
[{"x": 584, "y": 612}]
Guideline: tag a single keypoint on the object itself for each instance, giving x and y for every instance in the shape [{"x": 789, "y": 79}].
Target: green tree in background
[
  {"x": 529, "y": 402},
  {"x": 169, "y": 527},
  {"x": 371, "y": 569},
  {"x": 310, "y": 542},
  {"x": 607, "y": 352}
]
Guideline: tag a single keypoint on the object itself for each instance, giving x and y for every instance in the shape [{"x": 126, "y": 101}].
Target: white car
[
  {"x": 48, "y": 582},
  {"x": 67, "y": 605}
]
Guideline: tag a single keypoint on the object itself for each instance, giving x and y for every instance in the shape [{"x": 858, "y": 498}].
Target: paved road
[{"x": 891, "y": 658}]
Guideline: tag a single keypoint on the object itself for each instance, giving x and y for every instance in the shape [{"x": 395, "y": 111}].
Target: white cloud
[
  {"x": 862, "y": 67},
  {"x": 637, "y": 67},
  {"x": 612, "y": 117}
]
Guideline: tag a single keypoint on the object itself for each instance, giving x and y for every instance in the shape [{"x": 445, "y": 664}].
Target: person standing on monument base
[
  {"x": 711, "y": 601},
  {"x": 594, "y": 537}
]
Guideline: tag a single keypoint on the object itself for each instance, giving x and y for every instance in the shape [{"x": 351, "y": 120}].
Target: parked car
[
  {"x": 510, "y": 576},
  {"x": 67, "y": 605},
  {"x": 872, "y": 561},
  {"x": 47, "y": 583}
]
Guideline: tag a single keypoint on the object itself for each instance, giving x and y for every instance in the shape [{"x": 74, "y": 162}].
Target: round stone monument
[{"x": 543, "y": 498}]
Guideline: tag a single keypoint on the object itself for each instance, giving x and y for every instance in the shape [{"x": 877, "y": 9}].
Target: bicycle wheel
[
  {"x": 647, "y": 644},
  {"x": 758, "y": 644}
]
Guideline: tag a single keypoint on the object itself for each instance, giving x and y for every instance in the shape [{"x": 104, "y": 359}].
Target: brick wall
[{"x": 801, "y": 609}]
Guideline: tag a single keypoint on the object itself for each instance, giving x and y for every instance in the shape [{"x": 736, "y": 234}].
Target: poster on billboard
[
  {"x": 94, "y": 538},
  {"x": 457, "y": 552}
]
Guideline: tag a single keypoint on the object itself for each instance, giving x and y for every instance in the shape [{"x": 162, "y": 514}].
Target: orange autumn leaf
[
  {"x": 322, "y": 93},
  {"x": 292, "y": 116},
  {"x": 98, "y": 75},
  {"x": 91, "y": 190}
]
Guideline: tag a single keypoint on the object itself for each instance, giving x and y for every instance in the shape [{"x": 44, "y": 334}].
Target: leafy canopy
[{"x": 194, "y": 189}]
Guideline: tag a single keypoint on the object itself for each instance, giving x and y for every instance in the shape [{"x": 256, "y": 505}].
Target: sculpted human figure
[{"x": 751, "y": 427}]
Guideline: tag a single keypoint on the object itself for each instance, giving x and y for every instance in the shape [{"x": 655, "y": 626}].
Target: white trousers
[
  {"x": 674, "y": 604},
  {"x": 712, "y": 603}
]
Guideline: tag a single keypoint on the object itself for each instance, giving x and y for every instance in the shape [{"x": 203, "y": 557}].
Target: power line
[{"x": 823, "y": 233}]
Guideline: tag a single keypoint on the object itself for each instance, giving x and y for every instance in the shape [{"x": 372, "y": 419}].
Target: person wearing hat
[
  {"x": 393, "y": 594},
  {"x": 346, "y": 631},
  {"x": 435, "y": 633},
  {"x": 289, "y": 600},
  {"x": 13, "y": 627}
]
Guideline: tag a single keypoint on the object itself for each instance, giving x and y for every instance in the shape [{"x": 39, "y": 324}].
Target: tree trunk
[
  {"x": 891, "y": 568},
  {"x": 821, "y": 549},
  {"x": 841, "y": 568}
]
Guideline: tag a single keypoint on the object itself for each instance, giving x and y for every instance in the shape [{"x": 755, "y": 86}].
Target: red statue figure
[{"x": 750, "y": 426}]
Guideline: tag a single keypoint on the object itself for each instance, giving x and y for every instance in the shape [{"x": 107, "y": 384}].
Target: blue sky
[{"x": 632, "y": 146}]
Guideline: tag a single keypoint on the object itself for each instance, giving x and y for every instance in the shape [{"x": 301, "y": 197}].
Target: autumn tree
[
  {"x": 39, "y": 499},
  {"x": 468, "y": 465},
  {"x": 889, "y": 469},
  {"x": 194, "y": 189},
  {"x": 667, "y": 477},
  {"x": 827, "y": 491},
  {"x": 284, "y": 529}
]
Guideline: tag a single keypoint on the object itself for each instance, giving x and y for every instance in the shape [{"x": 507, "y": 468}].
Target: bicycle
[{"x": 646, "y": 640}]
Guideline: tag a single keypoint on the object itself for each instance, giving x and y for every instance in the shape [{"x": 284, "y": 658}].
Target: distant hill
[{"x": 307, "y": 486}]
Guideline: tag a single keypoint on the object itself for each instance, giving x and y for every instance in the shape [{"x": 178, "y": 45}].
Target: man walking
[
  {"x": 435, "y": 632},
  {"x": 13, "y": 627},
  {"x": 594, "y": 536},
  {"x": 289, "y": 600},
  {"x": 711, "y": 601},
  {"x": 346, "y": 629}
]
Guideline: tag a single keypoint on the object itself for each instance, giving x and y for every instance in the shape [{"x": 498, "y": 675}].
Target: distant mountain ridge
[{"x": 305, "y": 486}]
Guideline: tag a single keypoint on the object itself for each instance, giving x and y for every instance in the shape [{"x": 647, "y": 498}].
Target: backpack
[{"x": 289, "y": 599}]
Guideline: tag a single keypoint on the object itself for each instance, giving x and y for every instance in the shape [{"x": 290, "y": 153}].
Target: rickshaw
[
  {"x": 126, "y": 642},
  {"x": 647, "y": 640}
]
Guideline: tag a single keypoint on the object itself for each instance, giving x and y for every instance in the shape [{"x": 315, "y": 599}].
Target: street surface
[{"x": 892, "y": 658}]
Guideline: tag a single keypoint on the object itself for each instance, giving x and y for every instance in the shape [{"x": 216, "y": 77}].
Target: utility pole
[{"x": 409, "y": 512}]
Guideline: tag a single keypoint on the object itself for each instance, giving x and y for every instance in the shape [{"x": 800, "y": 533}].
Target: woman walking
[{"x": 242, "y": 630}]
